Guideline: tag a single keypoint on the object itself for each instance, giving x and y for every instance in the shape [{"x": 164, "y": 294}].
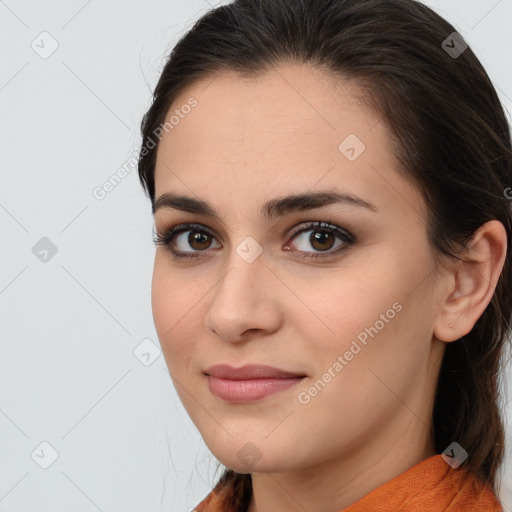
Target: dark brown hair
[{"x": 450, "y": 137}]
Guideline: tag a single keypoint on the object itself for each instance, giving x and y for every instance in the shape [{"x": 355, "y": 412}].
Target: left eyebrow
[{"x": 271, "y": 209}]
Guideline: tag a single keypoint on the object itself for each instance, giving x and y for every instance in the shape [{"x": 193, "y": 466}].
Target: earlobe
[{"x": 473, "y": 283}]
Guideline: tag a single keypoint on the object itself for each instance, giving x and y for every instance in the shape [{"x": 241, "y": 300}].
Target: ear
[{"x": 472, "y": 283}]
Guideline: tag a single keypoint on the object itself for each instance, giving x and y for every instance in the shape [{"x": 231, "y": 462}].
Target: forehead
[
  {"x": 278, "y": 109},
  {"x": 291, "y": 127}
]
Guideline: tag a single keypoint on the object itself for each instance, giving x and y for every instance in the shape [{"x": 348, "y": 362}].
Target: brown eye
[
  {"x": 184, "y": 237},
  {"x": 322, "y": 239},
  {"x": 199, "y": 240},
  {"x": 191, "y": 240}
]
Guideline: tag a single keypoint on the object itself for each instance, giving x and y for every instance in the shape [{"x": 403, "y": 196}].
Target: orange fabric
[{"x": 430, "y": 486}]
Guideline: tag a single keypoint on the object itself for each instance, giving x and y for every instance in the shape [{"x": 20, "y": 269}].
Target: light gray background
[{"x": 68, "y": 374}]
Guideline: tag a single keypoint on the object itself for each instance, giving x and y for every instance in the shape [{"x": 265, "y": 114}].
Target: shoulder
[
  {"x": 434, "y": 486},
  {"x": 214, "y": 502}
]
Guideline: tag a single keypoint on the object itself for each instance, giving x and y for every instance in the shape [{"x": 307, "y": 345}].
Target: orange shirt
[{"x": 430, "y": 486}]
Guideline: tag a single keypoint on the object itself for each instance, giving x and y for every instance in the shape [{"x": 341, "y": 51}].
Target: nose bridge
[
  {"x": 245, "y": 266},
  {"x": 240, "y": 301}
]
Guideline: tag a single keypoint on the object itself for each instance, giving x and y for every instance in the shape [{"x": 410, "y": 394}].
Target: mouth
[{"x": 249, "y": 383}]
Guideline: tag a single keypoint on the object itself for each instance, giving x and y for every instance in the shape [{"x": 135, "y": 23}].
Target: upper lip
[{"x": 250, "y": 371}]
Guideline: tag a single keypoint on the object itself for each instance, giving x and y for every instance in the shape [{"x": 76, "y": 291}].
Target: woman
[{"x": 332, "y": 280}]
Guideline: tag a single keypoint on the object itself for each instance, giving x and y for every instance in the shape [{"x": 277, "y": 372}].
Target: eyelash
[{"x": 166, "y": 238}]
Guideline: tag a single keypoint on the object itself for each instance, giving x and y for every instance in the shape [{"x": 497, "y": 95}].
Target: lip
[
  {"x": 249, "y": 371},
  {"x": 249, "y": 383}
]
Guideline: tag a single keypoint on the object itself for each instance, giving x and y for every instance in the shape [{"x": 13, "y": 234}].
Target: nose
[{"x": 244, "y": 303}]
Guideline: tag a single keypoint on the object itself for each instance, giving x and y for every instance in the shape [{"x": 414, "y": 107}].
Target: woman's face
[{"x": 354, "y": 325}]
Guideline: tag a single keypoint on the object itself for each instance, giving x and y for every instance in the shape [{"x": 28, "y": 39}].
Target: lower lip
[{"x": 248, "y": 390}]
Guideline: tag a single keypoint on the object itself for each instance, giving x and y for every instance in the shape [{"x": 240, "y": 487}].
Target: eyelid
[
  {"x": 321, "y": 226},
  {"x": 167, "y": 236}
]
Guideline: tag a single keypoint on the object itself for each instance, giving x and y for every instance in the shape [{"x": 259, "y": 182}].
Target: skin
[{"x": 251, "y": 140}]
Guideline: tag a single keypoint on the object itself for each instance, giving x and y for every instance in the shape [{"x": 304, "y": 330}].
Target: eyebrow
[{"x": 271, "y": 209}]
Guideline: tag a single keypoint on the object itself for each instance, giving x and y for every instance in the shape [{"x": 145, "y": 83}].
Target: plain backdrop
[{"x": 89, "y": 419}]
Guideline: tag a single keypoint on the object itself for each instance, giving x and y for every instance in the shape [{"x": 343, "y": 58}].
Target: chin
[
  {"x": 259, "y": 456},
  {"x": 257, "y": 467}
]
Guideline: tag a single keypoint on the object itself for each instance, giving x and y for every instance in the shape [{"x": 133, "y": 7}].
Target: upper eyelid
[
  {"x": 308, "y": 224},
  {"x": 297, "y": 229}
]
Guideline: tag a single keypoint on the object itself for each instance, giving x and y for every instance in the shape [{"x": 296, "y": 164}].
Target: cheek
[
  {"x": 381, "y": 331},
  {"x": 174, "y": 316},
  {"x": 368, "y": 320},
  {"x": 353, "y": 305}
]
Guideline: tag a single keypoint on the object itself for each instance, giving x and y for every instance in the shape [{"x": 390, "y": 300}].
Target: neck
[{"x": 336, "y": 483}]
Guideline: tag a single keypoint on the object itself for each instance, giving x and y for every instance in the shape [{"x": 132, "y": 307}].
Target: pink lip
[{"x": 248, "y": 383}]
